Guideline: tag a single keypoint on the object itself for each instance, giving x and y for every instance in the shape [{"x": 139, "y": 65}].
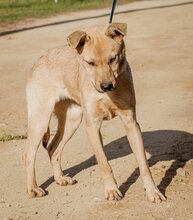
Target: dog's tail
[{"x": 46, "y": 138}]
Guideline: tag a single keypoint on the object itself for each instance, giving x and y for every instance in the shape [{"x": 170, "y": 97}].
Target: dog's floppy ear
[
  {"x": 117, "y": 31},
  {"x": 77, "y": 40}
]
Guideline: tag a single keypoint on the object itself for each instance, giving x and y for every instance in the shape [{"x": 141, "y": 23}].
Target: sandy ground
[{"x": 160, "y": 52}]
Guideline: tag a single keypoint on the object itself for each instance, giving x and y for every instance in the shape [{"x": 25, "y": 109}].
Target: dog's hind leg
[
  {"x": 39, "y": 113},
  {"x": 69, "y": 117}
]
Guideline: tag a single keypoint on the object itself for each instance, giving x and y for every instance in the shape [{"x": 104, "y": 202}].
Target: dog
[{"x": 89, "y": 77}]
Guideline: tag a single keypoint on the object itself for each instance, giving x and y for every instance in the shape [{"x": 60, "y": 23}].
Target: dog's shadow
[{"x": 163, "y": 145}]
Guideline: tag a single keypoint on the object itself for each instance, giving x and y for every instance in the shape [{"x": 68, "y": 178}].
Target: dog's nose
[{"x": 107, "y": 87}]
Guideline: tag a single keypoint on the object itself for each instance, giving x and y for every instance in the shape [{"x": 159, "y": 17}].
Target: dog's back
[{"x": 55, "y": 74}]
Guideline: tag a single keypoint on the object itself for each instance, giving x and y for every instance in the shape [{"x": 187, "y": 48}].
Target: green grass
[
  {"x": 7, "y": 137},
  {"x": 14, "y": 10}
]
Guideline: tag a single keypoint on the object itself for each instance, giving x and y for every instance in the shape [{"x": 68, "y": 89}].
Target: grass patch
[
  {"x": 8, "y": 137},
  {"x": 14, "y": 10}
]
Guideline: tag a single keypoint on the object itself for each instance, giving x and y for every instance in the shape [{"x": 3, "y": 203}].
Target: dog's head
[{"x": 102, "y": 53}]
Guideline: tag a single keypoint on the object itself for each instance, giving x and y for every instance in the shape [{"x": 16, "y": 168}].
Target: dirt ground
[{"x": 160, "y": 52}]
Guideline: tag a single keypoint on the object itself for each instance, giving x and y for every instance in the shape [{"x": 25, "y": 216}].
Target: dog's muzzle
[{"x": 106, "y": 87}]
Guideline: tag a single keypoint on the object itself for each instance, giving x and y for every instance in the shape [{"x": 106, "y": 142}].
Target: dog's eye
[
  {"x": 112, "y": 60},
  {"x": 91, "y": 63}
]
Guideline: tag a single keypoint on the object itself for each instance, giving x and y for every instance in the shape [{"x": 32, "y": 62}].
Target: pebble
[
  {"x": 2, "y": 201},
  {"x": 8, "y": 205},
  {"x": 58, "y": 213},
  {"x": 3, "y": 126},
  {"x": 182, "y": 172},
  {"x": 97, "y": 199}
]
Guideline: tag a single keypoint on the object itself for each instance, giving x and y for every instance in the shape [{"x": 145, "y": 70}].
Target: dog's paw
[
  {"x": 154, "y": 195},
  {"x": 65, "y": 180},
  {"x": 113, "y": 194},
  {"x": 36, "y": 192}
]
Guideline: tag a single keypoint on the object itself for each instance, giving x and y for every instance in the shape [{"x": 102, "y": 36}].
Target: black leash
[{"x": 112, "y": 10}]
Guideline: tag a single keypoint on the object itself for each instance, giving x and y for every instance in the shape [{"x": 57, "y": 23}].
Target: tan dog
[{"x": 89, "y": 77}]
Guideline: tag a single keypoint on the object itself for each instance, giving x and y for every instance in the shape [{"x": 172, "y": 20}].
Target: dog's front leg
[
  {"x": 135, "y": 139},
  {"x": 111, "y": 190}
]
